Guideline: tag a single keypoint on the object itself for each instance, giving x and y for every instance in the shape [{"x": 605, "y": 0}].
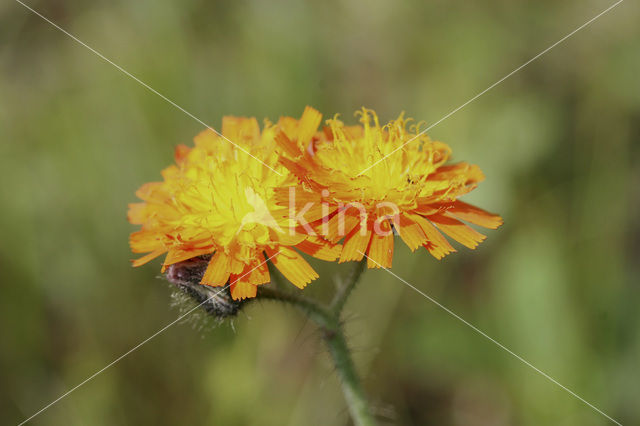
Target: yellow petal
[
  {"x": 240, "y": 129},
  {"x": 308, "y": 124}
]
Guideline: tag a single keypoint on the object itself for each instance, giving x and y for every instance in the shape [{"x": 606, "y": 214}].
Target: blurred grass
[{"x": 558, "y": 283}]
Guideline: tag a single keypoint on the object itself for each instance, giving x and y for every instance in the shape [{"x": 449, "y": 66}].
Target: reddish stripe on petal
[
  {"x": 181, "y": 153},
  {"x": 475, "y": 215},
  {"x": 411, "y": 233},
  {"x": 341, "y": 224},
  {"x": 320, "y": 248},
  {"x": 287, "y": 145},
  {"x": 355, "y": 244},
  {"x": 436, "y": 243}
]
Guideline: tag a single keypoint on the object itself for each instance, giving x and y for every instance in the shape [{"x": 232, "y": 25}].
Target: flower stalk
[
  {"x": 344, "y": 291},
  {"x": 328, "y": 319},
  {"x": 351, "y": 386}
]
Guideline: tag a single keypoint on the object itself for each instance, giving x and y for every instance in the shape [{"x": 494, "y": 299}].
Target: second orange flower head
[{"x": 374, "y": 179}]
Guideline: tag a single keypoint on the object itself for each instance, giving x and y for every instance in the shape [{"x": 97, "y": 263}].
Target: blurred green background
[{"x": 558, "y": 283}]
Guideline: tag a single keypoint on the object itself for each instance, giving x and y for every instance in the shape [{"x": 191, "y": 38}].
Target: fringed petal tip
[
  {"x": 292, "y": 265},
  {"x": 438, "y": 252},
  {"x": 241, "y": 290}
]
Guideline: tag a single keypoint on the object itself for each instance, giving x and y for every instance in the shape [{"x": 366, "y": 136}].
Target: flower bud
[{"x": 186, "y": 276}]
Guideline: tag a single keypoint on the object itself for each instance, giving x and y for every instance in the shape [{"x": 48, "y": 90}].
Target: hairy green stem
[
  {"x": 351, "y": 387},
  {"x": 314, "y": 310},
  {"x": 328, "y": 319},
  {"x": 344, "y": 291}
]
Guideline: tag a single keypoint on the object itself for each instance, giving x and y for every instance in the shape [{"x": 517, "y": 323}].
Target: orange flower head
[
  {"x": 217, "y": 202},
  {"x": 377, "y": 179}
]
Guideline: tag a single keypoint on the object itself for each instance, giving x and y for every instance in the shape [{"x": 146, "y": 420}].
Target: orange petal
[
  {"x": 411, "y": 233},
  {"x": 436, "y": 243},
  {"x": 295, "y": 168},
  {"x": 257, "y": 273},
  {"x": 381, "y": 250},
  {"x": 137, "y": 213},
  {"x": 320, "y": 248},
  {"x": 292, "y": 266},
  {"x": 236, "y": 266},
  {"x": 287, "y": 146},
  {"x": 475, "y": 215},
  {"x": 148, "y": 257},
  {"x": 285, "y": 237},
  {"x": 472, "y": 172},
  {"x": 426, "y": 209},
  {"x": 242, "y": 290},
  {"x": 150, "y": 191},
  {"x": 457, "y": 230},
  {"x": 340, "y": 225},
  {"x": 145, "y": 241},
  {"x": 355, "y": 244},
  {"x": 181, "y": 153},
  {"x": 218, "y": 270},
  {"x": 176, "y": 255}
]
